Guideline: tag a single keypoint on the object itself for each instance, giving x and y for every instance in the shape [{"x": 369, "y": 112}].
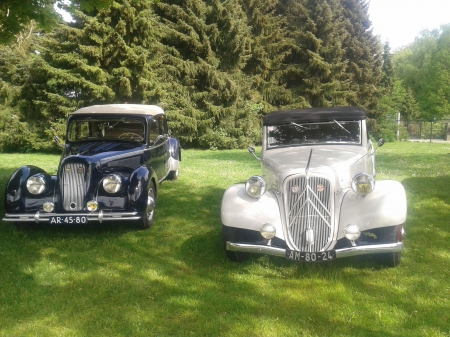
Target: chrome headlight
[
  {"x": 112, "y": 183},
  {"x": 256, "y": 186},
  {"x": 36, "y": 184},
  {"x": 363, "y": 184}
]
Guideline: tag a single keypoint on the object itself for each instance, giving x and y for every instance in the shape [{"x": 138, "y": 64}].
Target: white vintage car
[{"x": 316, "y": 199}]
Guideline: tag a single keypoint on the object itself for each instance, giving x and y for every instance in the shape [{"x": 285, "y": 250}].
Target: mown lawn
[{"x": 174, "y": 279}]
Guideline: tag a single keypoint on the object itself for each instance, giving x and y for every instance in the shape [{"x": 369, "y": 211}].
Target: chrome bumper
[
  {"x": 101, "y": 216},
  {"x": 344, "y": 252}
]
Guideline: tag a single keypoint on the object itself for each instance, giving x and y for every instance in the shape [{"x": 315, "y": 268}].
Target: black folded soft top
[{"x": 314, "y": 115}]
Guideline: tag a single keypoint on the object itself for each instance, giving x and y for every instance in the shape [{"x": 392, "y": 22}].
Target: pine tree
[
  {"x": 316, "y": 67},
  {"x": 104, "y": 57},
  {"x": 363, "y": 52},
  {"x": 207, "y": 43}
]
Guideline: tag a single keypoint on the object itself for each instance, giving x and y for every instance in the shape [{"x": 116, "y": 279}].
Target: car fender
[
  {"x": 385, "y": 206},
  {"x": 139, "y": 183},
  {"x": 239, "y": 210},
  {"x": 174, "y": 149},
  {"x": 16, "y": 188}
]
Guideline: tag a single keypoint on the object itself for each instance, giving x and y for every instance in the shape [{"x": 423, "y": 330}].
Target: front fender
[
  {"x": 242, "y": 211},
  {"x": 16, "y": 189},
  {"x": 140, "y": 181},
  {"x": 385, "y": 206}
]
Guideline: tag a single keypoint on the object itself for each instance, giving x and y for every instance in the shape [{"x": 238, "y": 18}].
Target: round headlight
[
  {"x": 36, "y": 184},
  {"x": 363, "y": 184},
  {"x": 268, "y": 231},
  {"x": 256, "y": 186},
  {"x": 112, "y": 183}
]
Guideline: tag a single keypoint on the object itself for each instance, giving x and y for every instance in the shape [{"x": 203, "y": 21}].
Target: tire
[
  {"x": 148, "y": 215},
  {"x": 173, "y": 175},
  {"x": 389, "y": 235},
  {"x": 234, "y": 235}
]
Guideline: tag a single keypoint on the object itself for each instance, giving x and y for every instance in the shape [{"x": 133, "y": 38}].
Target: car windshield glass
[
  {"x": 332, "y": 132},
  {"x": 106, "y": 129}
]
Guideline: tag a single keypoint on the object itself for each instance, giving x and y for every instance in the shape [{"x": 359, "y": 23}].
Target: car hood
[
  {"x": 100, "y": 148},
  {"x": 339, "y": 163},
  {"x": 105, "y": 155}
]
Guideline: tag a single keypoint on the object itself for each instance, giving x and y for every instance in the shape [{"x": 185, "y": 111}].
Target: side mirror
[
  {"x": 251, "y": 149},
  {"x": 381, "y": 142}
]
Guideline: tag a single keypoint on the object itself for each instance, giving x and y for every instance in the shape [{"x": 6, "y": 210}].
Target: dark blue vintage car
[{"x": 114, "y": 160}]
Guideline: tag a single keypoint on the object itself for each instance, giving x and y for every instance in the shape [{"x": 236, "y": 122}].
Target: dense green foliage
[
  {"x": 215, "y": 66},
  {"x": 16, "y": 15},
  {"x": 424, "y": 68}
]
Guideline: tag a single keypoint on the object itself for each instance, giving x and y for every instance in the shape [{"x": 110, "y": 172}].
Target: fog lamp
[
  {"x": 48, "y": 207},
  {"x": 268, "y": 231},
  {"x": 352, "y": 232},
  {"x": 92, "y": 206},
  {"x": 363, "y": 184},
  {"x": 256, "y": 186}
]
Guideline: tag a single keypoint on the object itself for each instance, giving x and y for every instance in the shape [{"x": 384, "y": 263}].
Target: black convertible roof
[{"x": 313, "y": 115}]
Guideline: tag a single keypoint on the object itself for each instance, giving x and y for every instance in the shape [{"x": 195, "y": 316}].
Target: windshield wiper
[
  {"x": 341, "y": 126},
  {"x": 300, "y": 126}
]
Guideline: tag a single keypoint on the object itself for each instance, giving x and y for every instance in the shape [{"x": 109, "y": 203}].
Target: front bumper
[
  {"x": 343, "y": 252},
  {"x": 41, "y": 217}
]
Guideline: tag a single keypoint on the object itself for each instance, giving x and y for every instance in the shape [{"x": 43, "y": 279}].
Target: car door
[{"x": 157, "y": 142}]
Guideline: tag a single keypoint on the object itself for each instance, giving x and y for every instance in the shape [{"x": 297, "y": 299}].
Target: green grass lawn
[{"x": 174, "y": 279}]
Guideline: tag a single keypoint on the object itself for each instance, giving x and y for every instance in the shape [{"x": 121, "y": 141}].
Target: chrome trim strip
[
  {"x": 39, "y": 217},
  {"x": 344, "y": 252}
]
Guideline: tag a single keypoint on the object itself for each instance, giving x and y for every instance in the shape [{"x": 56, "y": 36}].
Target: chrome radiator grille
[
  {"x": 73, "y": 187},
  {"x": 309, "y": 212}
]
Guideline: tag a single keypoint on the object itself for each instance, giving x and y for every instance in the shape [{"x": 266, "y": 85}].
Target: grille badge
[
  {"x": 80, "y": 169},
  {"x": 294, "y": 189},
  {"x": 320, "y": 188}
]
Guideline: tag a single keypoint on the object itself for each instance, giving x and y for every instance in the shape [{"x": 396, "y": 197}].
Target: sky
[{"x": 401, "y": 21}]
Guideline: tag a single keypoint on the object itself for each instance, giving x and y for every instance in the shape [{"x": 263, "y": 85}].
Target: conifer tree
[
  {"x": 104, "y": 57},
  {"x": 207, "y": 45},
  {"x": 317, "y": 65},
  {"x": 364, "y": 55}
]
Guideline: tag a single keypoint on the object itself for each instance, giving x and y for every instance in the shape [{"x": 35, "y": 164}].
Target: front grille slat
[
  {"x": 73, "y": 187},
  {"x": 309, "y": 206}
]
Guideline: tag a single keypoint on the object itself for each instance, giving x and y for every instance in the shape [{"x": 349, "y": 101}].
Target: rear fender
[
  {"x": 385, "y": 206},
  {"x": 239, "y": 210}
]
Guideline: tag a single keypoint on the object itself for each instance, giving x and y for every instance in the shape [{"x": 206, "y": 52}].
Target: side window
[
  {"x": 154, "y": 132},
  {"x": 163, "y": 121}
]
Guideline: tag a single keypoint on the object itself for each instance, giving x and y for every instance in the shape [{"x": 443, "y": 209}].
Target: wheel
[
  {"x": 148, "y": 216},
  {"x": 389, "y": 235},
  {"x": 234, "y": 235},
  {"x": 173, "y": 175}
]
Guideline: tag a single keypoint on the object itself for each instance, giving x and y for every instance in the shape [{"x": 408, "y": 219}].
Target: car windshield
[
  {"x": 331, "y": 132},
  {"x": 106, "y": 129}
]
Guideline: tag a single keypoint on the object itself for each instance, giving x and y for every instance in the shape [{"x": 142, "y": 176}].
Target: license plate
[
  {"x": 67, "y": 220},
  {"x": 293, "y": 255}
]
